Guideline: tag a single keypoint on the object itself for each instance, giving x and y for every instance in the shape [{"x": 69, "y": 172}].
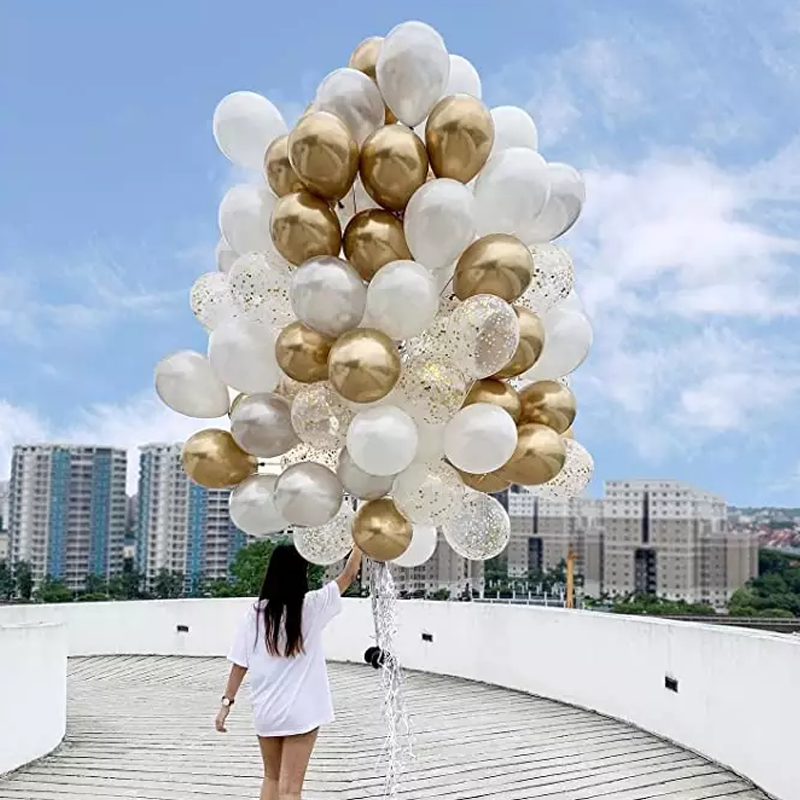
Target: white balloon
[
  {"x": 382, "y": 440},
  {"x": 252, "y": 506},
  {"x": 361, "y": 484},
  {"x": 244, "y": 125},
  {"x": 186, "y": 383},
  {"x": 308, "y": 494},
  {"x": 354, "y": 98},
  {"x": 567, "y": 196},
  {"x": 412, "y": 71},
  {"x": 402, "y": 299},
  {"x": 428, "y": 494},
  {"x": 511, "y": 192},
  {"x": 260, "y": 288},
  {"x": 464, "y": 78},
  {"x": 242, "y": 354},
  {"x": 424, "y": 539},
  {"x": 439, "y": 222},
  {"x": 480, "y": 438},
  {"x": 211, "y": 300},
  {"x": 225, "y": 255},
  {"x": 567, "y": 340},
  {"x": 244, "y": 215},
  {"x": 328, "y": 295},
  {"x": 513, "y": 127}
]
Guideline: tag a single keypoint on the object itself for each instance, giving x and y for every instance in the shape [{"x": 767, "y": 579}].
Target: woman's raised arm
[{"x": 350, "y": 571}]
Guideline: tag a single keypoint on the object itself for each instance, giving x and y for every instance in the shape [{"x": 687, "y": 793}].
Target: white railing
[
  {"x": 33, "y": 691},
  {"x": 730, "y": 694}
]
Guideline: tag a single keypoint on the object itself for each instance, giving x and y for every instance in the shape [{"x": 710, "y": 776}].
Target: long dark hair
[{"x": 282, "y": 593}]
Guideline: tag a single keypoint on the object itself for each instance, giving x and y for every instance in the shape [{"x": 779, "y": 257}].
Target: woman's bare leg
[
  {"x": 294, "y": 763},
  {"x": 271, "y": 752}
]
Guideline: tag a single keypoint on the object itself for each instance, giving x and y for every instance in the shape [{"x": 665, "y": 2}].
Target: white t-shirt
[{"x": 290, "y": 695}]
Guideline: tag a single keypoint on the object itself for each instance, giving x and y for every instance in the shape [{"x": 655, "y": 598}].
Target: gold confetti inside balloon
[
  {"x": 480, "y": 528},
  {"x": 430, "y": 389},
  {"x": 552, "y": 278},
  {"x": 319, "y": 417},
  {"x": 574, "y": 476}
]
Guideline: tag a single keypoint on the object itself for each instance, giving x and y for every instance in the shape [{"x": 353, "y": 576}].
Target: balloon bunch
[{"x": 391, "y": 311}]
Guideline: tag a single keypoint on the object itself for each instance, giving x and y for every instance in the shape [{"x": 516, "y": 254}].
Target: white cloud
[{"x": 139, "y": 420}]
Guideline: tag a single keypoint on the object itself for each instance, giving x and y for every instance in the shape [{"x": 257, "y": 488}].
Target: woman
[{"x": 280, "y": 644}]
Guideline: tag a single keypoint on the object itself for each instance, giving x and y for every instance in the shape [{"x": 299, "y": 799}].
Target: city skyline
[{"x": 686, "y": 254}]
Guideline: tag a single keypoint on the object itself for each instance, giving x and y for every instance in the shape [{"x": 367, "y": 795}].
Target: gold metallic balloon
[
  {"x": 531, "y": 344},
  {"x": 548, "y": 403},
  {"x": 393, "y": 165},
  {"x": 497, "y": 264},
  {"x": 324, "y": 154},
  {"x": 389, "y": 118},
  {"x": 459, "y": 135},
  {"x": 365, "y": 56},
  {"x": 381, "y": 531},
  {"x": 302, "y": 353},
  {"x": 495, "y": 393},
  {"x": 364, "y": 365},
  {"x": 235, "y": 402},
  {"x": 538, "y": 458},
  {"x": 490, "y": 482},
  {"x": 372, "y": 239},
  {"x": 280, "y": 175},
  {"x": 568, "y": 434},
  {"x": 214, "y": 460},
  {"x": 304, "y": 226}
]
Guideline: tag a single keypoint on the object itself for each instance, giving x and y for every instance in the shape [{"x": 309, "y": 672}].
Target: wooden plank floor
[{"x": 142, "y": 728}]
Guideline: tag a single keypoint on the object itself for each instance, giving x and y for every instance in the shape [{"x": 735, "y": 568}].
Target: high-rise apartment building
[
  {"x": 4, "y": 515},
  {"x": 663, "y": 538},
  {"x": 669, "y": 539},
  {"x": 181, "y": 527},
  {"x": 67, "y": 511}
]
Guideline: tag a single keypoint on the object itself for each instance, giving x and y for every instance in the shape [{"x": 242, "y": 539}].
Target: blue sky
[{"x": 683, "y": 116}]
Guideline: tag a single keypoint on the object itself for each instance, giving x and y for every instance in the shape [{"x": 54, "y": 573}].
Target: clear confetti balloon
[
  {"x": 252, "y": 506},
  {"x": 428, "y": 494},
  {"x": 211, "y": 300},
  {"x": 261, "y": 424},
  {"x": 479, "y": 529},
  {"x": 437, "y": 341},
  {"x": 552, "y": 278},
  {"x": 329, "y": 543},
  {"x": 430, "y": 389},
  {"x": 361, "y": 484},
  {"x": 261, "y": 289},
  {"x": 319, "y": 416},
  {"x": 305, "y": 452},
  {"x": 485, "y": 332},
  {"x": 574, "y": 476},
  {"x": 424, "y": 539},
  {"x": 288, "y": 387}
]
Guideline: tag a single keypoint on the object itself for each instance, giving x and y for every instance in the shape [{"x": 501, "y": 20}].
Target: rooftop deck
[{"x": 142, "y": 727}]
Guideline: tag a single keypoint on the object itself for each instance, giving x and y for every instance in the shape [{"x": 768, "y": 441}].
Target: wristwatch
[{"x": 227, "y": 702}]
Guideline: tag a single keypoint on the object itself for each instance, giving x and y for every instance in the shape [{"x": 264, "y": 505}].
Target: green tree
[
  {"x": 168, "y": 585},
  {"x": 96, "y": 589},
  {"x": 127, "y": 585},
  {"x": 53, "y": 590},
  {"x": 250, "y": 565},
  {"x": 441, "y": 594},
  {"x": 8, "y": 585},
  {"x": 24, "y": 577}
]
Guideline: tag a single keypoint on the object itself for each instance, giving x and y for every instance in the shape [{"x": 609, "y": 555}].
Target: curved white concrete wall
[
  {"x": 33, "y": 691},
  {"x": 738, "y": 691}
]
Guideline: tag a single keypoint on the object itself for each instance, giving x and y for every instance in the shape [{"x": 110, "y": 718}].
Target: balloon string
[{"x": 397, "y": 746}]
